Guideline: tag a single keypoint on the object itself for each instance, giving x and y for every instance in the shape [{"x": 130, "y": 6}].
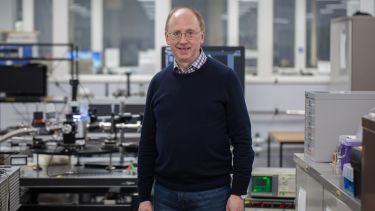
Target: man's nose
[{"x": 183, "y": 38}]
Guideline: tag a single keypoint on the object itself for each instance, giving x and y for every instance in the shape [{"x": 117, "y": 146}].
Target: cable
[
  {"x": 27, "y": 112},
  {"x": 120, "y": 81},
  {"x": 52, "y": 69},
  {"x": 85, "y": 93},
  {"x": 50, "y": 161},
  {"x": 57, "y": 84},
  {"x": 24, "y": 130},
  {"x": 5, "y": 158},
  {"x": 50, "y": 74},
  {"x": 18, "y": 112},
  {"x": 61, "y": 110}
]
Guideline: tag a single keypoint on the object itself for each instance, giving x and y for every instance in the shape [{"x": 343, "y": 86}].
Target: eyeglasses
[{"x": 189, "y": 35}]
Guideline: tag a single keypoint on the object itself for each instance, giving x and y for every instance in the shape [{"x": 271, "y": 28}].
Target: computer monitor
[
  {"x": 28, "y": 80},
  {"x": 233, "y": 57},
  {"x": 90, "y": 62}
]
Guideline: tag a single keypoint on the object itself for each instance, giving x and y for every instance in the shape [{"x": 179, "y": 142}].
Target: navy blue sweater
[{"x": 190, "y": 121}]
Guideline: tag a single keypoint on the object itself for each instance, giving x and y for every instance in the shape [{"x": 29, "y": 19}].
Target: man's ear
[
  {"x": 166, "y": 38},
  {"x": 203, "y": 36}
]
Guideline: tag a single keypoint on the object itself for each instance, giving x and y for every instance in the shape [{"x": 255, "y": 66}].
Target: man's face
[{"x": 184, "y": 37}]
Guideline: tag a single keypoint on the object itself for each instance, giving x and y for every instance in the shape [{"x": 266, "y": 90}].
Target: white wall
[{"x": 263, "y": 99}]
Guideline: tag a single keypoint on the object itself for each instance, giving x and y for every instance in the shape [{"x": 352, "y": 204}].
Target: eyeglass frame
[{"x": 189, "y": 35}]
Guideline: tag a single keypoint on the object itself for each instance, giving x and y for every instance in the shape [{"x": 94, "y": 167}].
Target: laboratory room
[{"x": 187, "y": 105}]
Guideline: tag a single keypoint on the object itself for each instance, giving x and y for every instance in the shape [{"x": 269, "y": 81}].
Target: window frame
[{"x": 264, "y": 52}]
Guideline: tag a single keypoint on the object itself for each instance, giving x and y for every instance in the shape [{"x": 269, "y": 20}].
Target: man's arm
[
  {"x": 235, "y": 203},
  {"x": 147, "y": 149},
  {"x": 145, "y": 206},
  {"x": 239, "y": 128}
]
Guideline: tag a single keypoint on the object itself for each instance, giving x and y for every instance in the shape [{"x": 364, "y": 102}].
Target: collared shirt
[{"x": 195, "y": 66}]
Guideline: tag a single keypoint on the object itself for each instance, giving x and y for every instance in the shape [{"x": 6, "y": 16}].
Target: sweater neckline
[{"x": 198, "y": 71}]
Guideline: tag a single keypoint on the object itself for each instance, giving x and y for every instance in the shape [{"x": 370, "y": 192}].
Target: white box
[{"x": 331, "y": 114}]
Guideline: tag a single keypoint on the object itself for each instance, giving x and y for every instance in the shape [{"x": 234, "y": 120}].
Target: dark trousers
[{"x": 170, "y": 200}]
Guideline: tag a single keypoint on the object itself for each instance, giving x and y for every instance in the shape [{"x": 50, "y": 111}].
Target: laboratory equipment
[
  {"x": 346, "y": 145},
  {"x": 28, "y": 80},
  {"x": 9, "y": 188},
  {"x": 273, "y": 182},
  {"x": 329, "y": 115}
]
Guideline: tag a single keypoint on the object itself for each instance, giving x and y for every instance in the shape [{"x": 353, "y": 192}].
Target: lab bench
[
  {"x": 319, "y": 187},
  {"x": 78, "y": 188}
]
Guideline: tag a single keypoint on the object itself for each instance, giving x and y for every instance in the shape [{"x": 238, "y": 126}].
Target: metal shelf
[{"x": 324, "y": 174}]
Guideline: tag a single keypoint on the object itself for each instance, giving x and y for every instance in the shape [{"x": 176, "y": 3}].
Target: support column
[
  {"x": 265, "y": 38},
  {"x": 60, "y": 34},
  {"x": 300, "y": 35},
  {"x": 233, "y": 23}
]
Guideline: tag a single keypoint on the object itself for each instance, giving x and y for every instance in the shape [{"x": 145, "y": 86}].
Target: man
[{"x": 195, "y": 110}]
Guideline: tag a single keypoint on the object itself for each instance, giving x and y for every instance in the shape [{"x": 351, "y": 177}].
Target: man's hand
[
  {"x": 235, "y": 203},
  {"x": 145, "y": 206}
]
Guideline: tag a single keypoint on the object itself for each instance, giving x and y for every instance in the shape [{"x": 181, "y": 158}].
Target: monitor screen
[
  {"x": 89, "y": 61},
  {"x": 23, "y": 81},
  {"x": 262, "y": 184},
  {"x": 233, "y": 57}
]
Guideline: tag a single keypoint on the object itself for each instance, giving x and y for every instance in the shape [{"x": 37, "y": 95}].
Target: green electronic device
[{"x": 273, "y": 182}]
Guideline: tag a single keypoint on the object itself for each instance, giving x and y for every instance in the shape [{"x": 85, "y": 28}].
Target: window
[
  {"x": 283, "y": 34},
  {"x": 248, "y": 25},
  {"x": 43, "y": 24},
  {"x": 19, "y": 8},
  {"x": 215, "y": 16},
  {"x": 80, "y": 24},
  {"x": 126, "y": 35},
  {"x": 129, "y": 28}
]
